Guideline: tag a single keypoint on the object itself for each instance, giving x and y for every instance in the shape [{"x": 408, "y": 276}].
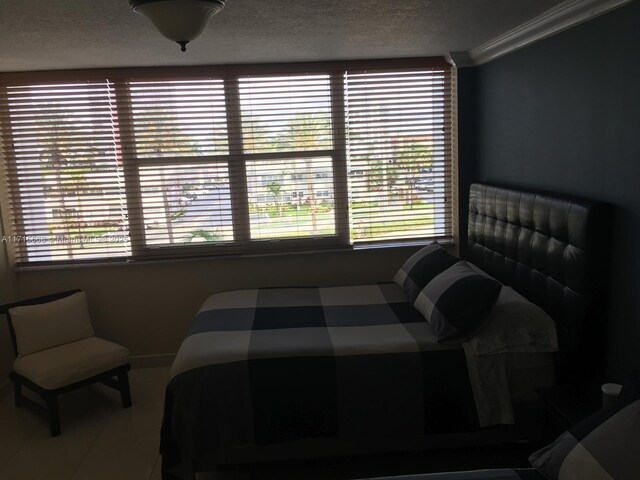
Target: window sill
[{"x": 154, "y": 261}]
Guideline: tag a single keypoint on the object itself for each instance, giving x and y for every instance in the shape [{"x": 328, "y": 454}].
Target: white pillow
[
  {"x": 40, "y": 327},
  {"x": 515, "y": 325}
]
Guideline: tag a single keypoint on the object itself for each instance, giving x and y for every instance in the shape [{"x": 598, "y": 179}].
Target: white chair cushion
[
  {"x": 66, "y": 364},
  {"x": 39, "y": 327}
]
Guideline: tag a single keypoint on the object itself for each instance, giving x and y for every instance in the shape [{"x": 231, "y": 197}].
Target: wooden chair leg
[
  {"x": 54, "y": 415},
  {"x": 125, "y": 390},
  {"x": 17, "y": 393}
]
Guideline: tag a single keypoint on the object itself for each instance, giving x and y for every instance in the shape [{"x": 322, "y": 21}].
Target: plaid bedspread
[{"x": 270, "y": 366}]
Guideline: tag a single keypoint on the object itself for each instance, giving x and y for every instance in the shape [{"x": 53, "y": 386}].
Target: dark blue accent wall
[
  {"x": 467, "y": 148},
  {"x": 563, "y": 115}
]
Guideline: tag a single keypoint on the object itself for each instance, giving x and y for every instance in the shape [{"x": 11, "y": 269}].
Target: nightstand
[{"x": 567, "y": 405}]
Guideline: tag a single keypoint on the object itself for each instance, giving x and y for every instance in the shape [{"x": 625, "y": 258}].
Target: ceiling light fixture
[{"x": 178, "y": 20}]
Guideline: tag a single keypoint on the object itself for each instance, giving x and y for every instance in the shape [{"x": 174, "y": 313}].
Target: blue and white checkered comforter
[{"x": 270, "y": 366}]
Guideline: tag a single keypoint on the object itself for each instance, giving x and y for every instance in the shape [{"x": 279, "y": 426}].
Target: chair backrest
[{"x": 4, "y": 310}]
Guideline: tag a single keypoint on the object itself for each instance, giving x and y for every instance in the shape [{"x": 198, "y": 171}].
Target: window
[
  {"x": 399, "y": 155},
  {"x": 64, "y": 172},
  {"x": 221, "y": 160},
  {"x": 287, "y": 129}
]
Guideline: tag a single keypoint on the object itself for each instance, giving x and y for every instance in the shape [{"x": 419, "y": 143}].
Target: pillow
[
  {"x": 604, "y": 446},
  {"x": 457, "y": 301},
  {"x": 478, "y": 270},
  {"x": 421, "y": 268},
  {"x": 47, "y": 325},
  {"x": 515, "y": 325}
]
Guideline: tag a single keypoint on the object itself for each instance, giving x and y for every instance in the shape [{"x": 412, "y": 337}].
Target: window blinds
[
  {"x": 399, "y": 130},
  {"x": 177, "y": 145},
  {"x": 64, "y": 171},
  {"x": 137, "y": 164},
  {"x": 286, "y": 127}
]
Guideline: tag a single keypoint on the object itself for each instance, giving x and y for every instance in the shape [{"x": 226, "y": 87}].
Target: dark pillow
[
  {"x": 421, "y": 268},
  {"x": 457, "y": 301},
  {"x": 604, "y": 445}
]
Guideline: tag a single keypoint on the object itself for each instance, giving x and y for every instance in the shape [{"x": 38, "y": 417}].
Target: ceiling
[{"x": 67, "y": 34}]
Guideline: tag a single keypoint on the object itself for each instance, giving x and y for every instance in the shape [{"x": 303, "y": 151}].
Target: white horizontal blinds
[
  {"x": 179, "y": 136},
  {"x": 186, "y": 203},
  {"x": 286, "y": 113},
  {"x": 145, "y": 163},
  {"x": 60, "y": 145},
  {"x": 287, "y": 137},
  {"x": 178, "y": 118},
  {"x": 399, "y": 153}
]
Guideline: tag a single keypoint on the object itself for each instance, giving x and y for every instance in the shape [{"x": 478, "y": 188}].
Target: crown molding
[
  {"x": 460, "y": 59},
  {"x": 559, "y": 18}
]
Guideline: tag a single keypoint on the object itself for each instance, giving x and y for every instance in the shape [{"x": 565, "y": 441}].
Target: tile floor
[{"x": 100, "y": 440}]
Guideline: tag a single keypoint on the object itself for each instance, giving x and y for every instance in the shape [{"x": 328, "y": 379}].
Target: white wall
[{"x": 7, "y": 294}]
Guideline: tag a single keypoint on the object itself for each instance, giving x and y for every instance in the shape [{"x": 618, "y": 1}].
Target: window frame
[{"x": 236, "y": 159}]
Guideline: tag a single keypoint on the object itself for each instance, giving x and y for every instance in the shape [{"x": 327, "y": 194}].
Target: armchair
[{"x": 57, "y": 351}]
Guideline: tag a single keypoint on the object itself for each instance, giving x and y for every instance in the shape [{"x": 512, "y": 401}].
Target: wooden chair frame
[{"x": 50, "y": 397}]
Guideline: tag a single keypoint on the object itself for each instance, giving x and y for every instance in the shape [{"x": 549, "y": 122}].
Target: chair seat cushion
[{"x": 70, "y": 363}]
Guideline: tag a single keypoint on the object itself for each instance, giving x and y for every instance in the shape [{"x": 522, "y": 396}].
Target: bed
[
  {"x": 605, "y": 444},
  {"x": 358, "y": 367}
]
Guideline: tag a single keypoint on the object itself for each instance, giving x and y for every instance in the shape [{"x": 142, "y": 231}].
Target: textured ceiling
[{"x": 65, "y": 34}]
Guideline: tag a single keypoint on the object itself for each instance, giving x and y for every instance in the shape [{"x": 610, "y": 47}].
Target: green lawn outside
[{"x": 365, "y": 223}]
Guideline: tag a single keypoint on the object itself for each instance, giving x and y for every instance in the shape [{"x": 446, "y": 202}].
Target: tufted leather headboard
[{"x": 551, "y": 249}]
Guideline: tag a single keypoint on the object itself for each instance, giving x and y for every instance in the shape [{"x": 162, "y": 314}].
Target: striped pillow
[
  {"x": 457, "y": 301},
  {"x": 421, "y": 268}
]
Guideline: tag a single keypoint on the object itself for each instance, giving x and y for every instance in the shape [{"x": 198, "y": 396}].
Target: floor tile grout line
[
  {"x": 93, "y": 444},
  {"x": 115, "y": 442},
  {"x": 25, "y": 441},
  {"x": 30, "y": 441},
  {"x": 135, "y": 442},
  {"x": 95, "y": 440},
  {"x": 75, "y": 470},
  {"x": 153, "y": 469}
]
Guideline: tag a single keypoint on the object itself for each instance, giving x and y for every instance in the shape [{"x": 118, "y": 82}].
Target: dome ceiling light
[{"x": 178, "y": 20}]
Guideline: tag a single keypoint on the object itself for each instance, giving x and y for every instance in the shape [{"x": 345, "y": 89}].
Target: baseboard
[
  {"x": 5, "y": 389},
  {"x": 150, "y": 361}
]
